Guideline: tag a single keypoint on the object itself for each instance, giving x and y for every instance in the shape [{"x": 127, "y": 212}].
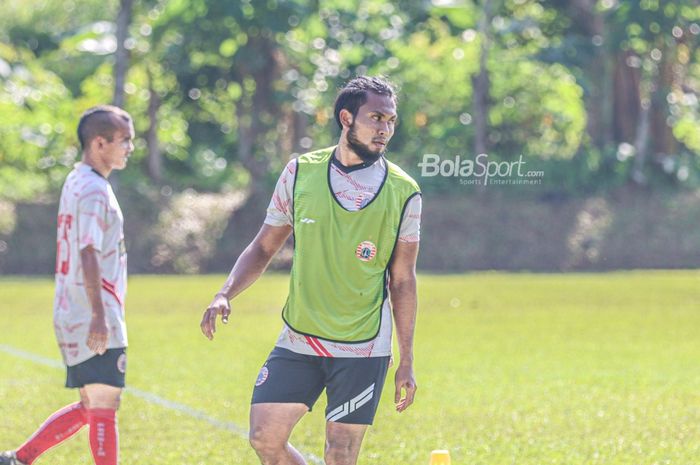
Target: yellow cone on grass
[{"x": 440, "y": 457}]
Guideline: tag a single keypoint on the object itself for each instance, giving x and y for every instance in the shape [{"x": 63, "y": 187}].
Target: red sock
[
  {"x": 104, "y": 437},
  {"x": 57, "y": 428}
]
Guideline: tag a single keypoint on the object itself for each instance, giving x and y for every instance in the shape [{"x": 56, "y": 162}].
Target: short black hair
[
  {"x": 100, "y": 121},
  {"x": 354, "y": 94}
]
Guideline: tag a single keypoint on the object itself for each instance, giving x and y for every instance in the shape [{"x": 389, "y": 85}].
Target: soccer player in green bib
[{"x": 355, "y": 217}]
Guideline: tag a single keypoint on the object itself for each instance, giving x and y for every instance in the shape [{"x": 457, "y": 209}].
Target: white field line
[{"x": 151, "y": 398}]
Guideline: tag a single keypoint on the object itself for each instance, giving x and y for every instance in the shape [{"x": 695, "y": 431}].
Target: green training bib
[{"x": 341, "y": 257}]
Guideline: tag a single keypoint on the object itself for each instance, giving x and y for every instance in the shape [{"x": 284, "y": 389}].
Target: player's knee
[
  {"x": 340, "y": 451},
  {"x": 101, "y": 400},
  {"x": 264, "y": 443},
  {"x": 339, "y": 456},
  {"x": 112, "y": 403}
]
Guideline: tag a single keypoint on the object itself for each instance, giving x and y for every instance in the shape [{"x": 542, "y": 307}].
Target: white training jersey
[
  {"x": 88, "y": 215},
  {"x": 354, "y": 187}
]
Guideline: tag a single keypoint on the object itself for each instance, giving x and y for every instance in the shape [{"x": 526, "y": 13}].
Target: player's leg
[
  {"x": 102, "y": 379},
  {"x": 343, "y": 441},
  {"x": 60, "y": 426},
  {"x": 353, "y": 388},
  {"x": 287, "y": 387},
  {"x": 102, "y": 416},
  {"x": 84, "y": 400},
  {"x": 102, "y": 396},
  {"x": 271, "y": 425}
]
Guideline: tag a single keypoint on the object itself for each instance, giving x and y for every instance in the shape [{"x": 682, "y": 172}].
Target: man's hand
[
  {"x": 404, "y": 380},
  {"x": 248, "y": 268},
  {"x": 218, "y": 306},
  {"x": 98, "y": 334}
]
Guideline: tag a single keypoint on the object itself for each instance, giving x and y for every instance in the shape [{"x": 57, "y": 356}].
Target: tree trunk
[
  {"x": 626, "y": 98},
  {"x": 256, "y": 121},
  {"x": 663, "y": 141},
  {"x": 481, "y": 85},
  {"x": 301, "y": 123},
  {"x": 121, "y": 56},
  {"x": 599, "y": 108},
  {"x": 641, "y": 144},
  {"x": 155, "y": 156}
]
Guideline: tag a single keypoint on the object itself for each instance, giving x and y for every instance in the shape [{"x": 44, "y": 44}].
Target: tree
[
  {"x": 635, "y": 62},
  {"x": 121, "y": 57}
]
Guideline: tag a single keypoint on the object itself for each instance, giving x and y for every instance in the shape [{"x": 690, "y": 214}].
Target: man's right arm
[
  {"x": 247, "y": 269},
  {"x": 98, "y": 333},
  {"x": 91, "y": 224}
]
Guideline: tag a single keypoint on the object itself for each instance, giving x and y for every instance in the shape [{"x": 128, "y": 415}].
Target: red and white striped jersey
[
  {"x": 354, "y": 188},
  {"x": 88, "y": 215}
]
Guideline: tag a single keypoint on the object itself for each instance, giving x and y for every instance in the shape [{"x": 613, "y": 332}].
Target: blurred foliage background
[{"x": 601, "y": 95}]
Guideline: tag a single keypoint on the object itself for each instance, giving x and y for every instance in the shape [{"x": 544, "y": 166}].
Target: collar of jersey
[
  {"x": 82, "y": 166},
  {"x": 350, "y": 169}
]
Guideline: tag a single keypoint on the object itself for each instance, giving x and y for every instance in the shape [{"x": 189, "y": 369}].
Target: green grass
[{"x": 512, "y": 369}]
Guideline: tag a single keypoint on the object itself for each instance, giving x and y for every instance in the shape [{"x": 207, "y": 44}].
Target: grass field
[{"x": 512, "y": 369}]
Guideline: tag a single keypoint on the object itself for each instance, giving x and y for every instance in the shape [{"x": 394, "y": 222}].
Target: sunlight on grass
[{"x": 512, "y": 368}]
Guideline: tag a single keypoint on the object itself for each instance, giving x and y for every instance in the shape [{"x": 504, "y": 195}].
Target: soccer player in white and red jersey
[{"x": 90, "y": 290}]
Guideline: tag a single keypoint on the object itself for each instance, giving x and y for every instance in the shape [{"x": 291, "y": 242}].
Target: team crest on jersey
[
  {"x": 121, "y": 363},
  {"x": 366, "y": 251},
  {"x": 262, "y": 376}
]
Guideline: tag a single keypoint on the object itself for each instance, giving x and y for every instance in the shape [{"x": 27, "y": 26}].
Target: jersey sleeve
[
  {"x": 410, "y": 225},
  {"x": 279, "y": 212},
  {"x": 92, "y": 219}
]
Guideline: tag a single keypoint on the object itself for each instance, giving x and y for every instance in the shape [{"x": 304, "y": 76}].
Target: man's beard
[{"x": 361, "y": 150}]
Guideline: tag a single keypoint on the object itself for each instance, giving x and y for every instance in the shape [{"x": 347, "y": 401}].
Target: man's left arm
[{"x": 404, "y": 300}]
